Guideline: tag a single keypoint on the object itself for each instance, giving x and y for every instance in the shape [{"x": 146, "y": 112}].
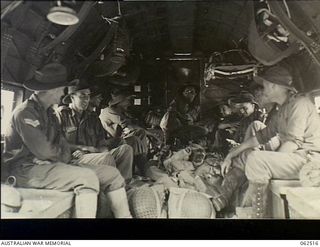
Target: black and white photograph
[{"x": 148, "y": 111}]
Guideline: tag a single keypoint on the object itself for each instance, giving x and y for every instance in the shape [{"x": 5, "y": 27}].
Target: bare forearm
[{"x": 250, "y": 143}]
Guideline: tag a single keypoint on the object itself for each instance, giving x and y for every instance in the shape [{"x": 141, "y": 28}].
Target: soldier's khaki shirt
[
  {"x": 296, "y": 121},
  {"x": 33, "y": 132},
  {"x": 81, "y": 130}
]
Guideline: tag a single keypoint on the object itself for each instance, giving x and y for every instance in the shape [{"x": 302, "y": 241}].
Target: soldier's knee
[
  {"x": 253, "y": 165},
  {"x": 87, "y": 179},
  {"x": 110, "y": 178},
  {"x": 108, "y": 159},
  {"x": 251, "y": 159},
  {"x": 126, "y": 149}
]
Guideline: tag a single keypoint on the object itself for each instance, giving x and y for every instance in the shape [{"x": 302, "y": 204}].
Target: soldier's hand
[
  {"x": 226, "y": 165},
  {"x": 77, "y": 154},
  {"x": 233, "y": 143},
  {"x": 41, "y": 162}
]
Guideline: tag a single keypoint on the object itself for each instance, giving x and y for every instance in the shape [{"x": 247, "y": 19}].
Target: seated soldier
[
  {"x": 116, "y": 120},
  {"x": 269, "y": 110},
  {"x": 297, "y": 125},
  {"x": 86, "y": 136},
  {"x": 250, "y": 111},
  {"x": 39, "y": 157},
  {"x": 152, "y": 121},
  {"x": 96, "y": 99},
  {"x": 96, "y": 103},
  {"x": 182, "y": 115},
  {"x": 226, "y": 128}
]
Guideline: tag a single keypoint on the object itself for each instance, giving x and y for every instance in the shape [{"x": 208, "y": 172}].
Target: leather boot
[
  {"x": 86, "y": 205},
  {"x": 223, "y": 194},
  {"x": 119, "y": 203},
  {"x": 259, "y": 200}
]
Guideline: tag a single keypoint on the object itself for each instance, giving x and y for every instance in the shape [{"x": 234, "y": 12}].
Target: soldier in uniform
[
  {"x": 117, "y": 121},
  {"x": 39, "y": 156},
  {"x": 297, "y": 126},
  {"x": 86, "y": 136}
]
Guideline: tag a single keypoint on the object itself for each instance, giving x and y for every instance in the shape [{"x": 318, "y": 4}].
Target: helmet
[
  {"x": 185, "y": 203},
  {"x": 147, "y": 202}
]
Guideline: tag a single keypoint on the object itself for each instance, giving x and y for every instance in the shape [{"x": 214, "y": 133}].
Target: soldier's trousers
[
  {"x": 120, "y": 157},
  {"x": 56, "y": 176},
  {"x": 68, "y": 177},
  {"x": 261, "y": 166},
  {"x": 138, "y": 141}
]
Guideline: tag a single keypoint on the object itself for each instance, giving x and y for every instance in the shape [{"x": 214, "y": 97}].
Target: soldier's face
[
  {"x": 225, "y": 110},
  {"x": 189, "y": 93},
  {"x": 247, "y": 109},
  {"x": 268, "y": 91},
  {"x": 80, "y": 99},
  {"x": 260, "y": 97}
]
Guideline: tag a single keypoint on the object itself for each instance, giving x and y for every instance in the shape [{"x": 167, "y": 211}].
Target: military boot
[
  {"x": 259, "y": 200},
  {"x": 140, "y": 164},
  {"x": 223, "y": 194}
]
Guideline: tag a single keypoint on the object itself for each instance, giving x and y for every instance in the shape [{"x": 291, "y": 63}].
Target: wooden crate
[
  {"x": 279, "y": 208},
  {"x": 304, "y": 202}
]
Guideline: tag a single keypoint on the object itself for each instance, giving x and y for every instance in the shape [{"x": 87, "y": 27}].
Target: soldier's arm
[
  {"x": 264, "y": 135},
  {"x": 109, "y": 122},
  {"x": 34, "y": 137},
  {"x": 297, "y": 124},
  {"x": 248, "y": 144}
]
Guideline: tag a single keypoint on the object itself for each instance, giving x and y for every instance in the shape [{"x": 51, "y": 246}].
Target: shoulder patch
[{"x": 33, "y": 123}]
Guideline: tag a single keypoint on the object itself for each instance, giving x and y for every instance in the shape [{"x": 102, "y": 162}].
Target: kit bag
[
  {"x": 159, "y": 202},
  {"x": 115, "y": 52}
]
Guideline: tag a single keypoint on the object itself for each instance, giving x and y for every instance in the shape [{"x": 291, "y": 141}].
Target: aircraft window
[
  {"x": 137, "y": 102},
  {"x": 11, "y": 96},
  {"x": 317, "y": 102},
  {"x": 137, "y": 88},
  {"x": 7, "y": 100}
]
